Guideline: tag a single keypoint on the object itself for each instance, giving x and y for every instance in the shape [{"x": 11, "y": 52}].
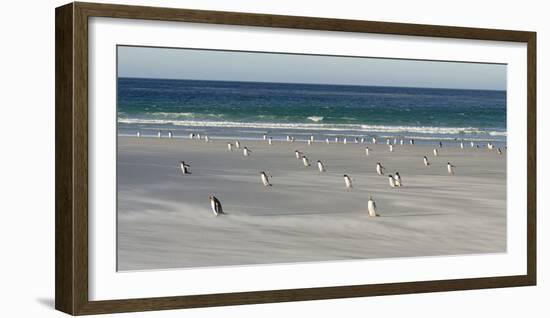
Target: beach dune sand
[{"x": 165, "y": 221}]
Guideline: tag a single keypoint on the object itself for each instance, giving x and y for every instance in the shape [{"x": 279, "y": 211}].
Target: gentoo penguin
[
  {"x": 362, "y": 140},
  {"x": 199, "y": 136},
  {"x": 206, "y": 138},
  {"x": 367, "y": 150},
  {"x": 395, "y": 141},
  {"x": 229, "y": 146},
  {"x": 265, "y": 179},
  {"x": 499, "y": 151},
  {"x": 305, "y": 160},
  {"x": 138, "y": 134},
  {"x": 291, "y": 139},
  {"x": 379, "y": 169},
  {"x": 450, "y": 168},
  {"x": 436, "y": 153},
  {"x": 321, "y": 166},
  {"x": 159, "y": 134},
  {"x": 461, "y": 145},
  {"x": 336, "y": 139},
  {"x": 345, "y": 140},
  {"x": 391, "y": 148},
  {"x": 371, "y": 207},
  {"x": 391, "y": 180},
  {"x": 270, "y": 140},
  {"x": 311, "y": 138},
  {"x": 264, "y": 136},
  {"x": 347, "y": 181},
  {"x": 238, "y": 144},
  {"x": 401, "y": 142},
  {"x": 191, "y": 135},
  {"x": 490, "y": 146},
  {"x": 298, "y": 154},
  {"x": 309, "y": 142},
  {"x": 397, "y": 178},
  {"x": 356, "y": 140},
  {"x": 287, "y": 138},
  {"x": 170, "y": 134},
  {"x": 411, "y": 142},
  {"x": 426, "y": 162},
  {"x": 216, "y": 205},
  {"x": 184, "y": 167},
  {"x": 246, "y": 152},
  {"x": 327, "y": 141},
  {"x": 440, "y": 144},
  {"x": 471, "y": 144},
  {"x": 387, "y": 141},
  {"x": 374, "y": 140}
]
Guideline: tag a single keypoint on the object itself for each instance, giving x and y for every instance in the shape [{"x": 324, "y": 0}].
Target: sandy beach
[{"x": 165, "y": 220}]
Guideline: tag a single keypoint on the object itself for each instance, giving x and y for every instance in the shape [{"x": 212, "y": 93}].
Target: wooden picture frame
[{"x": 71, "y": 90}]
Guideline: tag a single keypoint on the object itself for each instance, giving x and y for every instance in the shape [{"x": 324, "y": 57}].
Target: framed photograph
[{"x": 211, "y": 158}]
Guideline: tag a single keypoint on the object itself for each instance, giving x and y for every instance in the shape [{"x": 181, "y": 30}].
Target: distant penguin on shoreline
[
  {"x": 347, "y": 181},
  {"x": 450, "y": 168},
  {"x": 265, "y": 179},
  {"x": 246, "y": 151},
  {"x": 229, "y": 146},
  {"x": 321, "y": 166},
  {"x": 216, "y": 205},
  {"x": 185, "y": 168},
  {"x": 436, "y": 153},
  {"x": 397, "y": 178},
  {"x": 305, "y": 161},
  {"x": 371, "y": 207},
  {"x": 426, "y": 162},
  {"x": 298, "y": 154},
  {"x": 237, "y": 144},
  {"x": 367, "y": 151},
  {"x": 170, "y": 134},
  {"x": 159, "y": 134},
  {"x": 138, "y": 134},
  {"x": 391, "y": 181},
  {"x": 379, "y": 169}
]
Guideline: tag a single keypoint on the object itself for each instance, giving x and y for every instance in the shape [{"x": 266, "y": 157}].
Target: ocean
[{"x": 246, "y": 110}]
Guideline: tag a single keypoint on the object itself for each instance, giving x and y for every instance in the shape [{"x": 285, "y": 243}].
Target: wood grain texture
[{"x": 72, "y": 157}]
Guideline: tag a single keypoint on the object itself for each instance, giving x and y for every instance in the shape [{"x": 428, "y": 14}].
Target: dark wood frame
[{"x": 71, "y": 157}]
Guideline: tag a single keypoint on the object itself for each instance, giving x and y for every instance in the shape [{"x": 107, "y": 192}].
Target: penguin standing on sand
[
  {"x": 356, "y": 140},
  {"x": 391, "y": 180},
  {"x": 265, "y": 179},
  {"x": 411, "y": 142},
  {"x": 397, "y": 178},
  {"x": 216, "y": 205},
  {"x": 362, "y": 140},
  {"x": 185, "y": 168},
  {"x": 246, "y": 152},
  {"x": 309, "y": 142},
  {"x": 305, "y": 161},
  {"x": 327, "y": 141},
  {"x": 440, "y": 144},
  {"x": 499, "y": 151},
  {"x": 379, "y": 169},
  {"x": 199, "y": 136},
  {"x": 461, "y": 145},
  {"x": 471, "y": 144},
  {"x": 270, "y": 141},
  {"x": 391, "y": 148},
  {"x": 238, "y": 144},
  {"x": 321, "y": 166},
  {"x": 401, "y": 142},
  {"x": 170, "y": 134},
  {"x": 336, "y": 139},
  {"x": 138, "y": 134},
  {"x": 436, "y": 153},
  {"x": 371, "y": 207},
  {"x": 191, "y": 135},
  {"x": 311, "y": 138},
  {"x": 264, "y": 136},
  {"x": 159, "y": 134},
  {"x": 206, "y": 138},
  {"x": 374, "y": 140},
  {"x": 347, "y": 181},
  {"x": 426, "y": 162},
  {"x": 345, "y": 140},
  {"x": 229, "y": 146},
  {"x": 291, "y": 139},
  {"x": 298, "y": 154},
  {"x": 450, "y": 168},
  {"x": 367, "y": 150},
  {"x": 387, "y": 141},
  {"x": 287, "y": 138}
]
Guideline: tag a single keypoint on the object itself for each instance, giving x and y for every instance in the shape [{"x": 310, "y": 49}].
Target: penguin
[
  {"x": 387, "y": 141},
  {"x": 298, "y": 154},
  {"x": 379, "y": 169},
  {"x": 374, "y": 140},
  {"x": 397, "y": 178},
  {"x": 287, "y": 138},
  {"x": 391, "y": 180},
  {"x": 391, "y": 148},
  {"x": 321, "y": 166},
  {"x": 206, "y": 138},
  {"x": 362, "y": 140},
  {"x": 401, "y": 142},
  {"x": 336, "y": 139},
  {"x": 199, "y": 136},
  {"x": 371, "y": 207},
  {"x": 490, "y": 146},
  {"x": 440, "y": 144},
  {"x": 436, "y": 153},
  {"x": 238, "y": 144},
  {"x": 159, "y": 134},
  {"x": 170, "y": 134},
  {"x": 311, "y": 138},
  {"x": 367, "y": 150},
  {"x": 450, "y": 168},
  {"x": 246, "y": 152},
  {"x": 426, "y": 162},
  {"x": 395, "y": 141},
  {"x": 347, "y": 181},
  {"x": 327, "y": 141},
  {"x": 411, "y": 142},
  {"x": 191, "y": 135},
  {"x": 345, "y": 140},
  {"x": 216, "y": 205},
  {"x": 185, "y": 168},
  {"x": 499, "y": 151},
  {"x": 291, "y": 139},
  {"x": 265, "y": 179},
  {"x": 229, "y": 146},
  {"x": 356, "y": 140},
  {"x": 309, "y": 142},
  {"x": 305, "y": 160},
  {"x": 471, "y": 144},
  {"x": 461, "y": 145},
  {"x": 138, "y": 134},
  {"x": 270, "y": 140},
  {"x": 264, "y": 136}
]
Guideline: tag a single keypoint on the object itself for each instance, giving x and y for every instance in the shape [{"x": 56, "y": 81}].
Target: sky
[{"x": 169, "y": 63}]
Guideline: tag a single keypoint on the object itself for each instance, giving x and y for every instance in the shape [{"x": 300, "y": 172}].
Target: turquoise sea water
[{"x": 249, "y": 109}]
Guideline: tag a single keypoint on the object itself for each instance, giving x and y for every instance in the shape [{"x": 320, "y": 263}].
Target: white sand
[{"x": 165, "y": 221}]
